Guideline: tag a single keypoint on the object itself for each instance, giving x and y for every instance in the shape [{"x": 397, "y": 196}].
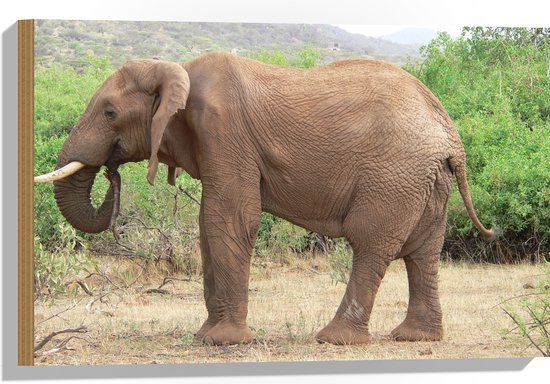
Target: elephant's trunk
[{"x": 74, "y": 201}]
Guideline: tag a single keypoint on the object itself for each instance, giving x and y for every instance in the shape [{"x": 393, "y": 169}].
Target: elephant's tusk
[{"x": 60, "y": 173}]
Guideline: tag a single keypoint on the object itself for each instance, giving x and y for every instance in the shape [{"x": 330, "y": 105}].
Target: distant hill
[
  {"x": 411, "y": 36},
  {"x": 69, "y": 41}
]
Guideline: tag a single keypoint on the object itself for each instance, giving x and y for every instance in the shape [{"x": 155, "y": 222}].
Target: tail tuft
[{"x": 494, "y": 234}]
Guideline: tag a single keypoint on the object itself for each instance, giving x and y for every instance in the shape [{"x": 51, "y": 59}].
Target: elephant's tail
[{"x": 459, "y": 169}]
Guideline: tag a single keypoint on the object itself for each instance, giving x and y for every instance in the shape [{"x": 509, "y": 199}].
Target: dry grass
[{"x": 288, "y": 305}]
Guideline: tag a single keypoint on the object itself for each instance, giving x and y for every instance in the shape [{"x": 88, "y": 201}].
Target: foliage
[
  {"x": 279, "y": 238},
  {"x": 307, "y": 57},
  {"x": 495, "y": 84},
  {"x": 276, "y": 57},
  {"x": 340, "y": 260},
  {"x": 531, "y": 316},
  {"x": 66, "y": 41},
  {"x": 62, "y": 93},
  {"x": 54, "y": 266}
]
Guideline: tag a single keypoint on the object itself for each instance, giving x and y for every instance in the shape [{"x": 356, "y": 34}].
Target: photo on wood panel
[{"x": 246, "y": 192}]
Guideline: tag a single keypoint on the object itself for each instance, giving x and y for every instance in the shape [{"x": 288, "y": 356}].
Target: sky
[{"x": 380, "y": 30}]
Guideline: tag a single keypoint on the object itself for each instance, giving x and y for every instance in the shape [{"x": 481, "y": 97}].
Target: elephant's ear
[{"x": 170, "y": 82}]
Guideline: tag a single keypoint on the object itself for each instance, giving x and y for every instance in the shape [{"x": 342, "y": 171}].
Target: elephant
[{"x": 357, "y": 148}]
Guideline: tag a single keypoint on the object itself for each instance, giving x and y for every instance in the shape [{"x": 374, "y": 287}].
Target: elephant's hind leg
[
  {"x": 375, "y": 242},
  {"x": 424, "y": 319},
  {"x": 350, "y": 324},
  {"x": 421, "y": 254}
]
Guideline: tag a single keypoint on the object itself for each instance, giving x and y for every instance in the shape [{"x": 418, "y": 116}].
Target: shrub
[
  {"x": 278, "y": 239},
  {"x": 55, "y": 267},
  {"x": 530, "y": 315},
  {"x": 62, "y": 93},
  {"x": 306, "y": 57},
  {"x": 276, "y": 57},
  {"x": 340, "y": 261}
]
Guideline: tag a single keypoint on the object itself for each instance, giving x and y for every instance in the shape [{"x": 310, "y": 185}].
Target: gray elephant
[{"x": 357, "y": 149}]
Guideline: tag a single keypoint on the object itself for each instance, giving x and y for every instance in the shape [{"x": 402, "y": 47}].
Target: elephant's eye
[{"x": 110, "y": 114}]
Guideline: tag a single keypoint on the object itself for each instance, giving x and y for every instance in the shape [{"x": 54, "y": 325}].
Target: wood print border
[{"x": 25, "y": 275}]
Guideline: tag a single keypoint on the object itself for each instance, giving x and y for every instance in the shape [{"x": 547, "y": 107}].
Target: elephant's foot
[
  {"x": 411, "y": 330},
  {"x": 224, "y": 333},
  {"x": 206, "y": 326},
  {"x": 342, "y": 333}
]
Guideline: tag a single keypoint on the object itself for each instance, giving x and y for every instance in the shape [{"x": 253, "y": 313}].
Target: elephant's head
[{"x": 125, "y": 121}]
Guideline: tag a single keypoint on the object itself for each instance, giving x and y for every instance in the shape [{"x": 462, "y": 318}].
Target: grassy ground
[{"x": 288, "y": 305}]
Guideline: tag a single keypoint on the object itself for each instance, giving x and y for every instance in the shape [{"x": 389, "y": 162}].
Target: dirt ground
[{"x": 129, "y": 320}]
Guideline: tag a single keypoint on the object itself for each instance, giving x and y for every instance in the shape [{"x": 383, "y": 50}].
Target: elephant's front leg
[
  {"x": 208, "y": 282},
  {"x": 230, "y": 218}
]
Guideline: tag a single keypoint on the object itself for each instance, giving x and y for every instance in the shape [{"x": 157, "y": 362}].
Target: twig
[
  {"x": 517, "y": 297},
  {"x": 170, "y": 247},
  {"x": 41, "y": 344},
  {"x": 75, "y": 303},
  {"x": 104, "y": 275},
  {"x": 84, "y": 287},
  {"x": 130, "y": 249},
  {"x": 189, "y": 195},
  {"x": 526, "y": 334}
]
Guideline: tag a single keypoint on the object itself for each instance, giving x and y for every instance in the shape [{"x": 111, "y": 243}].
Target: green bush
[
  {"x": 530, "y": 315},
  {"x": 276, "y": 57},
  {"x": 54, "y": 267},
  {"x": 62, "y": 93},
  {"x": 277, "y": 238},
  {"x": 306, "y": 57},
  {"x": 340, "y": 261}
]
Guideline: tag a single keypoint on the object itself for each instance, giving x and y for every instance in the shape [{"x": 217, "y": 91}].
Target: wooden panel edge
[{"x": 25, "y": 277}]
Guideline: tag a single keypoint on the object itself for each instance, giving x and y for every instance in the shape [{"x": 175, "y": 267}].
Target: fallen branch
[
  {"x": 98, "y": 311},
  {"x": 169, "y": 279},
  {"x": 41, "y": 344},
  {"x": 53, "y": 350},
  {"x": 61, "y": 347},
  {"x": 157, "y": 290}
]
